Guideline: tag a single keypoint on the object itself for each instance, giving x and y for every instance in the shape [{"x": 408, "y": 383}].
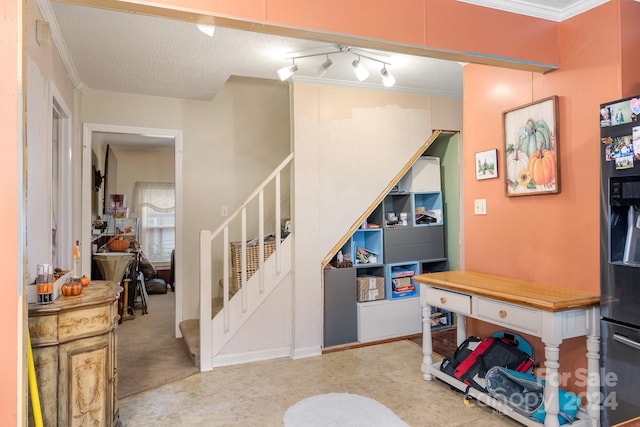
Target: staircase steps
[{"x": 190, "y": 330}]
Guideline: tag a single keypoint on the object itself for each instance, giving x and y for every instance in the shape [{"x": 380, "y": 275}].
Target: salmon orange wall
[
  {"x": 10, "y": 86},
  {"x": 630, "y": 30},
  {"x": 551, "y": 238},
  {"x": 547, "y": 238}
]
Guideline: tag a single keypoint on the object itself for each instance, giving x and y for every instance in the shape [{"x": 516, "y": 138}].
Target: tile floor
[{"x": 258, "y": 394}]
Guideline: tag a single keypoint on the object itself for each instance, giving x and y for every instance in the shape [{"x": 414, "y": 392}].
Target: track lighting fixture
[
  {"x": 361, "y": 72},
  {"x": 324, "y": 67},
  {"x": 286, "y": 72},
  {"x": 387, "y": 78}
]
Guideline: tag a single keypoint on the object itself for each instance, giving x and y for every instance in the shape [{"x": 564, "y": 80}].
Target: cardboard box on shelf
[{"x": 370, "y": 288}]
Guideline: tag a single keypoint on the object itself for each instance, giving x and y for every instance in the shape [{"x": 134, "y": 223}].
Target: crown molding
[
  {"x": 56, "y": 34},
  {"x": 538, "y": 10}
]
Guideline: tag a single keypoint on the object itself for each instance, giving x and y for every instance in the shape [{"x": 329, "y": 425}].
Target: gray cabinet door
[
  {"x": 340, "y": 315},
  {"x": 413, "y": 243}
]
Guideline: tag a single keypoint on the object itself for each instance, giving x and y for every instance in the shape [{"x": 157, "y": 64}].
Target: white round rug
[{"x": 341, "y": 409}]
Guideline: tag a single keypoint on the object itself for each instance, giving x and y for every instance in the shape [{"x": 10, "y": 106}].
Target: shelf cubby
[
  {"x": 428, "y": 204},
  {"x": 370, "y": 240},
  {"x": 401, "y": 271},
  {"x": 398, "y": 203}
]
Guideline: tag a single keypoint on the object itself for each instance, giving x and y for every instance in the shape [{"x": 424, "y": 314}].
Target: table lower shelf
[{"x": 582, "y": 419}]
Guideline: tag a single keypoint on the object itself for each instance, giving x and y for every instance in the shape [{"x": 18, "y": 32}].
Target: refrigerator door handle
[{"x": 626, "y": 341}]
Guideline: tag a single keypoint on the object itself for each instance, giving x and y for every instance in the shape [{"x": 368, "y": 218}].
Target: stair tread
[{"x": 190, "y": 329}]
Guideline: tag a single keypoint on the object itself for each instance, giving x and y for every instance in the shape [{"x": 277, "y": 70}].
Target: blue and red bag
[{"x": 488, "y": 353}]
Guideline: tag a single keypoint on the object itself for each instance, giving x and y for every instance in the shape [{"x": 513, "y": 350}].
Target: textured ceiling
[{"x": 135, "y": 53}]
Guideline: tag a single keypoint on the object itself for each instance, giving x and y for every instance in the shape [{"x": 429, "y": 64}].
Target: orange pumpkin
[
  {"x": 71, "y": 289},
  {"x": 542, "y": 167},
  {"x": 118, "y": 244},
  {"x": 84, "y": 280}
]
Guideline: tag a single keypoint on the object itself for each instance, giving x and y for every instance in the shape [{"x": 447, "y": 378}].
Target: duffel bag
[{"x": 525, "y": 394}]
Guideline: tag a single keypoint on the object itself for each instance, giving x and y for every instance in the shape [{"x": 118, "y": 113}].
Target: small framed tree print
[{"x": 487, "y": 164}]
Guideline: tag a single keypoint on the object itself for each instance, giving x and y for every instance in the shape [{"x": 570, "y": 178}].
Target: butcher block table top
[{"x": 540, "y": 296}]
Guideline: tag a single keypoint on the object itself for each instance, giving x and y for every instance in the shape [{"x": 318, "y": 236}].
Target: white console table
[{"x": 548, "y": 312}]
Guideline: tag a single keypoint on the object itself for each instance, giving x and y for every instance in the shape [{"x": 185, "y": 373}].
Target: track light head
[
  {"x": 361, "y": 72},
  {"x": 285, "y": 72},
  {"x": 324, "y": 67},
  {"x": 387, "y": 78}
]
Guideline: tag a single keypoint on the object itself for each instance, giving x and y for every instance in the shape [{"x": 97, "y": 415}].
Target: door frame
[{"x": 87, "y": 137}]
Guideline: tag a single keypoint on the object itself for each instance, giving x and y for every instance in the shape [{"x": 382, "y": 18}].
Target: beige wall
[
  {"x": 47, "y": 78},
  {"x": 143, "y": 166},
  {"x": 349, "y": 144},
  {"x": 230, "y": 145}
]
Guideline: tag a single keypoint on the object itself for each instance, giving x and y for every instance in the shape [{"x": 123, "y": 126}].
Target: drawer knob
[
  {"x": 502, "y": 314},
  {"x": 443, "y": 300}
]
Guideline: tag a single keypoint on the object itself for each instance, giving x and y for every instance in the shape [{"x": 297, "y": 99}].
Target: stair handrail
[
  {"x": 276, "y": 172},
  {"x": 207, "y": 237}
]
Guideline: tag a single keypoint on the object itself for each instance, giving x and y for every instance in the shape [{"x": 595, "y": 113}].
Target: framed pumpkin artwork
[{"x": 531, "y": 148}]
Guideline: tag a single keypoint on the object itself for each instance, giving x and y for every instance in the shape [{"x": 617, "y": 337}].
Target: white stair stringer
[{"x": 255, "y": 298}]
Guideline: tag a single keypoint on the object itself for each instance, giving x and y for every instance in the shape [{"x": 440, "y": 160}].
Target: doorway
[{"x": 140, "y": 136}]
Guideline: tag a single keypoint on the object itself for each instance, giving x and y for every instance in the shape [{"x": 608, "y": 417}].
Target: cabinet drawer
[
  {"x": 508, "y": 314},
  {"x": 448, "y": 300},
  {"x": 404, "y": 244}
]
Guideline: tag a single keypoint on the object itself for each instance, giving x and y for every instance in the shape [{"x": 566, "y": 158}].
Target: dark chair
[{"x": 172, "y": 271}]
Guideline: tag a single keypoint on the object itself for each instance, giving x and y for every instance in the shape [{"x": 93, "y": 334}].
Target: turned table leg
[
  {"x": 593, "y": 367},
  {"x": 551, "y": 392},
  {"x": 427, "y": 345}
]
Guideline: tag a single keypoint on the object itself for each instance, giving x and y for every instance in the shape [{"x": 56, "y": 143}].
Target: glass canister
[{"x": 44, "y": 282}]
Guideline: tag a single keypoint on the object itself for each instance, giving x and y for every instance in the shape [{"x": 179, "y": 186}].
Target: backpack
[
  {"x": 474, "y": 357},
  {"x": 449, "y": 365}
]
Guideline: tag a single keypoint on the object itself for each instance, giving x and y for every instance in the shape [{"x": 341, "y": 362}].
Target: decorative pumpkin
[
  {"x": 516, "y": 162},
  {"x": 535, "y": 136},
  {"x": 71, "y": 289},
  {"x": 84, "y": 281},
  {"x": 118, "y": 244},
  {"x": 542, "y": 167}
]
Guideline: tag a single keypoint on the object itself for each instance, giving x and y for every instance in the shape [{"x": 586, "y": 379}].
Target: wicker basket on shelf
[{"x": 253, "y": 260}]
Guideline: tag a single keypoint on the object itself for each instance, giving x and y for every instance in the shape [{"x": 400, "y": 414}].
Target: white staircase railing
[{"x": 207, "y": 239}]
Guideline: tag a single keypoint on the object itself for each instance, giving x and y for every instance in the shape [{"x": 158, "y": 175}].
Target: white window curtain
[
  {"x": 154, "y": 204},
  {"x": 159, "y": 196}
]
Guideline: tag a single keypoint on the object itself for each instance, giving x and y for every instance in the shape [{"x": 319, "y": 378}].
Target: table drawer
[
  {"x": 451, "y": 301},
  {"x": 508, "y": 314}
]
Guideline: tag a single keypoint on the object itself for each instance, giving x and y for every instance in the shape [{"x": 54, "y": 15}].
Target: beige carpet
[{"x": 149, "y": 355}]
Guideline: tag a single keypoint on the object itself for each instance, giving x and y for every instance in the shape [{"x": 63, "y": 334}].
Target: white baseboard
[
  {"x": 253, "y": 356},
  {"x": 301, "y": 353}
]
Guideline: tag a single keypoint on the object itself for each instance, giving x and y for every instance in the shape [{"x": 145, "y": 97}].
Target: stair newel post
[
  {"x": 243, "y": 260},
  {"x": 206, "y": 345},
  {"x": 261, "y": 240},
  {"x": 277, "y": 225},
  {"x": 225, "y": 280}
]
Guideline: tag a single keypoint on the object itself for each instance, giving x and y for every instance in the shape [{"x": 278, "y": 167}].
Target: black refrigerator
[{"x": 620, "y": 260}]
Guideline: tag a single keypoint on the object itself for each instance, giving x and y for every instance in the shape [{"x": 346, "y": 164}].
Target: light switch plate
[{"x": 480, "y": 206}]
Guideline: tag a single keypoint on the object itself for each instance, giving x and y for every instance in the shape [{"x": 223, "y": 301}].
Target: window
[
  {"x": 158, "y": 229},
  {"x": 154, "y": 203}
]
